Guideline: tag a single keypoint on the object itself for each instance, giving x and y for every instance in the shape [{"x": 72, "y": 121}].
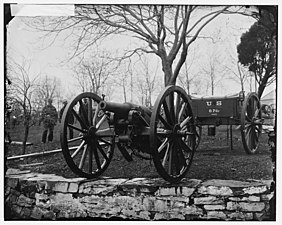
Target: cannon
[{"x": 166, "y": 133}]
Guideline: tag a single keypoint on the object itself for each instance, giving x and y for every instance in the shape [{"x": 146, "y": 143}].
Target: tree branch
[{"x": 208, "y": 21}]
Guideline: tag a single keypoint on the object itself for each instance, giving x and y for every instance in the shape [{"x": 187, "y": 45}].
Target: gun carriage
[{"x": 166, "y": 134}]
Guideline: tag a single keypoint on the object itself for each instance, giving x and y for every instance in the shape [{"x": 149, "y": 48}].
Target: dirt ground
[{"x": 213, "y": 159}]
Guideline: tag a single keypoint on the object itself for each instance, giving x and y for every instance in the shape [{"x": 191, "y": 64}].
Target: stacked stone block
[{"x": 50, "y": 197}]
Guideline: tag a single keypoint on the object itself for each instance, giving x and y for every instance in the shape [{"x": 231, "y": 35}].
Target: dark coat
[
  {"x": 70, "y": 117},
  {"x": 49, "y": 115}
]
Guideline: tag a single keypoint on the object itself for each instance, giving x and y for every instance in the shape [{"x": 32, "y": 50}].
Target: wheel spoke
[
  {"x": 96, "y": 155},
  {"x": 96, "y": 115},
  {"x": 82, "y": 123},
  {"x": 182, "y": 158},
  {"x": 101, "y": 121},
  {"x": 165, "y": 142},
  {"x": 166, "y": 124},
  {"x": 185, "y": 121},
  {"x": 102, "y": 151},
  {"x": 258, "y": 113},
  {"x": 252, "y": 140},
  {"x": 249, "y": 108},
  {"x": 247, "y": 135},
  {"x": 247, "y": 126},
  {"x": 256, "y": 136},
  {"x": 78, "y": 149},
  {"x": 184, "y": 146},
  {"x": 171, "y": 107},
  {"x": 104, "y": 141},
  {"x": 75, "y": 139},
  {"x": 90, "y": 157},
  {"x": 198, "y": 133},
  {"x": 249, "y": 138},
  {"x": 75, "y": 128},
  {"x": 247, "y": 129},
  {"x": 83, "y": 157},
  {"x": 177, "y": 107},
  {"x": 175, "y": 160},
  {"x": 182, "y": 108},
  {"x": 82, "y": 111},
  {"x": 255, "y": 107},
  {"x": 167, "y": 113},
  {"x": 166, "y": 155},
  {"x": 89, "y": 108},
  {"x": 248, "y": 118},
  {"x": 248, "y": 114},
  {"x": 257, "y": 129},
  {"x": 252, "y": 106}
]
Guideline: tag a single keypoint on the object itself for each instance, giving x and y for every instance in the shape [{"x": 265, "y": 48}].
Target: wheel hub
[
  {"x": 176, "y": 131},
  {"x": 257, "y": 121},
  {"x": 92, "y": 131}
]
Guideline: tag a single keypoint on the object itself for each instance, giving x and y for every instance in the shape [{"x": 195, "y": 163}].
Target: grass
[{"x": 213, "y": 159}]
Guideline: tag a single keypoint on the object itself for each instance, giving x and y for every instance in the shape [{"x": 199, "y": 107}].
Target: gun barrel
[{"x": 121, "y": 109}]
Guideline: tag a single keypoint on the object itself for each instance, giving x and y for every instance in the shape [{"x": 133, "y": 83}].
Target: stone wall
[{"x": 46, "y": 196}]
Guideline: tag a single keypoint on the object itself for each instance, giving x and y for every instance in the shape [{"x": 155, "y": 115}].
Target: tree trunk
[
  {"x": 242, "y": 84},
  {"x": 187, "y": 78},
  {"x": 167, "y": 69},
  {"x": 269, "y": 69},
  {"x": 241, "y": 77},
  {"x": 26, "y": 131},
  {"x": 263, "y": 83},
  {"x": 124, "y": 92}
]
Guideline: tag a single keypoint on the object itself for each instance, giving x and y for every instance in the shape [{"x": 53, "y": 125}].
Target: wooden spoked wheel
[
  {"x": 172, "y": 134},
  {"x": 86, "y": 139},
  {"x": 251, "y": 123}
]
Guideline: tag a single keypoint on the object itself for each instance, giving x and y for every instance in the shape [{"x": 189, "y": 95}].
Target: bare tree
[
  {"x": 48, "y": 87},
  {"x": 147, "y": 83},
  {"x": 197, "y": 86},
  {"x": 22, "y": 92},
  {"x": 92, "y": 74},
  {"x": 186, "y": 78},
  {"x": 59, "y": 96},
  {"x": 240, "y": 75},
  {"x": 166, "y": 30},
  {"x": 123, "y": 82},
  {"x": 214, "y": 70},
  {"x": 108, "y": 90}
]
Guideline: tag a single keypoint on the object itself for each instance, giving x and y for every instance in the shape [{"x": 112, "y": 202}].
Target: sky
[{"x": 226, "y": 31}]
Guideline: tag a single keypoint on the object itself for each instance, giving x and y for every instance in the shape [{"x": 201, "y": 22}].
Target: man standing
[
  {"x": 49, "y": 118},
  {"x": 70, "y": 118}
]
